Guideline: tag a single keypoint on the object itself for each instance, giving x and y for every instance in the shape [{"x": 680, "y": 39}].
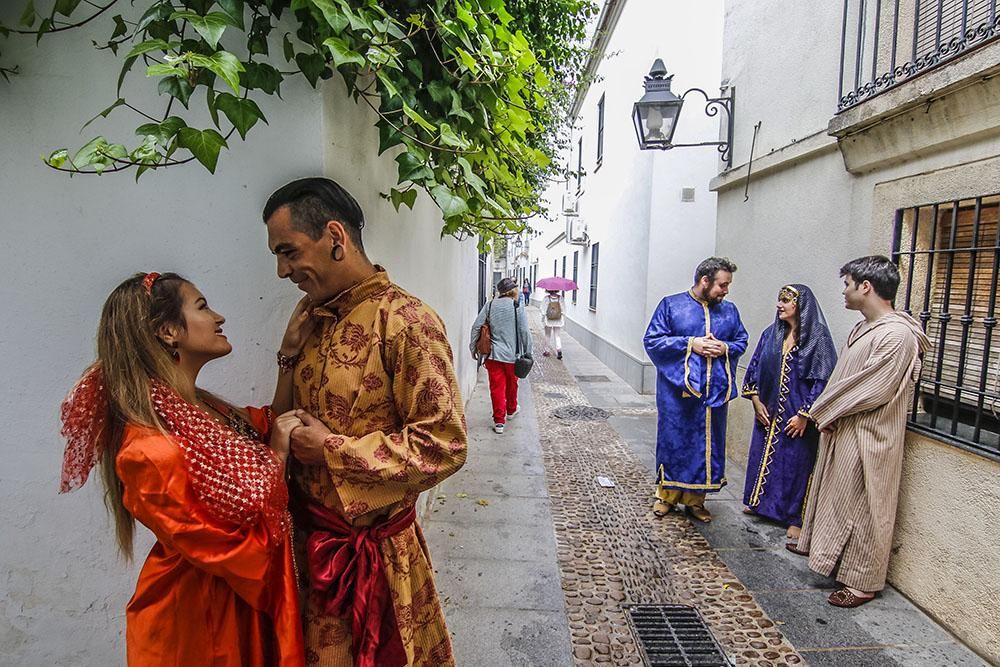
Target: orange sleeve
[
  {"x": 261, "y": 419},
  {"x": 158, "y": 494}
]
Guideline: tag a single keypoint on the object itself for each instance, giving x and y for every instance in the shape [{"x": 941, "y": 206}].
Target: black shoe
[{"x": 559, "y": 354}]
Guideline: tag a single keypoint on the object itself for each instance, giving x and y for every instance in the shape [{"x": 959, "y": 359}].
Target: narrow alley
[{"x": 536, "y": 561}]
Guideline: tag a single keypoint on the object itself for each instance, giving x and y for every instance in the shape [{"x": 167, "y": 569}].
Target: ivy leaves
[{"x": 457, "y": 88}]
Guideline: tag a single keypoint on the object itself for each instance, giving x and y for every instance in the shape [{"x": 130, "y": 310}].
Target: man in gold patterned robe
[{"x": 383, "y": 421}]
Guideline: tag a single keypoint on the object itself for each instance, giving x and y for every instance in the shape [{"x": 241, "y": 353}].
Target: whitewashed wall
[
  {"x": 68, "y": 242},
  {"x": 650, "y": 242}
]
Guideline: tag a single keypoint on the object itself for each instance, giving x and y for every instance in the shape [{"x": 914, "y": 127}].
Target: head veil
[{"x": 816, "y": 355}]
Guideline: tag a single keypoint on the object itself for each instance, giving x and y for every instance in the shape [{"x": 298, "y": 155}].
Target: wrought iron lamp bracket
[{"x": 712, "y": 107}]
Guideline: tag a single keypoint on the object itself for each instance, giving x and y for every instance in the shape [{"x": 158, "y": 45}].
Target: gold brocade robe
[{"x": 378, "y": 372}]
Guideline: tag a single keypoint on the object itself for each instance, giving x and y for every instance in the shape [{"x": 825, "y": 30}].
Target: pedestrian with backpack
[
  {"x": 552, "y": 319},
  {"x": 501, "y": 340}
]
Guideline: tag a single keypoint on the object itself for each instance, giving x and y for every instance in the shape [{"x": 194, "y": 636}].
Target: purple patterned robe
[{"x": 780, "y": 467}]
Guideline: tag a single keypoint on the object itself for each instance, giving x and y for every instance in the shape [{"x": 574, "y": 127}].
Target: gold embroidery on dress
[{"x": 765, "y": 462}]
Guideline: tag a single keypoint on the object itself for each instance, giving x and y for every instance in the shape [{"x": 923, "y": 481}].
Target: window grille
[
  {"x": 483, "y": 293},
  {"x": 949, "y": 259},
  {"x": 887, "y": 42},
  {"x": 600, "y": 131},
  {"x": 594, "y": 259},
  {"x": 576, "y": 266}
]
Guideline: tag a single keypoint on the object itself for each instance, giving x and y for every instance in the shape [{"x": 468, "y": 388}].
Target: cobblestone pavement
[
  {"x": 612, "y": 551},
  {"x": 889, "y": 632},
  {"x": 535, "y": 561}
]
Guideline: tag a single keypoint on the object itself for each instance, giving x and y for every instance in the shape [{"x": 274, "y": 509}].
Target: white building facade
[
  {"x": 69, "y": 242},
  {"x": 880, "y": 134},
  {"x": 638, "y": 222}
]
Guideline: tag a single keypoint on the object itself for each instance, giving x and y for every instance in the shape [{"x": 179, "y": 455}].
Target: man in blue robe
[{"x": 694, "y": 339}]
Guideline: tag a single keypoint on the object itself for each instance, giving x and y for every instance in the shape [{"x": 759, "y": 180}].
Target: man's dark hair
[
  {"x": 711, "y": 266},
  {"x": 879, "y": 270},
  {"x": 312, "y": 202}
]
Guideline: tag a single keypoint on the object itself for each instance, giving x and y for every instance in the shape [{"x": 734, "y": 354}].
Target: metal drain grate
[
  {"x": 592, "y": 378},
  {"x": 581, "y": 413},
  {"x": 674, "y": 635}
]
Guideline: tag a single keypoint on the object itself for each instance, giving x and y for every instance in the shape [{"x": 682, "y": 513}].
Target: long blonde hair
[{"x": 130, "y": 355}]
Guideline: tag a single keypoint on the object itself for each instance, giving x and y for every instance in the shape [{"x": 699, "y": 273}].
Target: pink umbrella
[{"x": 557, "y": 284}]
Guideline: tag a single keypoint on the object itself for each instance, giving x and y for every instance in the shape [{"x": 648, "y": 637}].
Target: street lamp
[{"x": 655, "y": 115}]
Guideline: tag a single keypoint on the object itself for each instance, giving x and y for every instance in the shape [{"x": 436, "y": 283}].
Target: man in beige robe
[{"x": 850, "y": 512}]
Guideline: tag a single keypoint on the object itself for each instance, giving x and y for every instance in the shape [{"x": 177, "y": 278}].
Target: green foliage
[{"x": 470, "y": 95}]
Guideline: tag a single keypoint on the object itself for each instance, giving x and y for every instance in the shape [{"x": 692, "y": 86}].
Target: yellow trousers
[{"x": 675, "y": 496}]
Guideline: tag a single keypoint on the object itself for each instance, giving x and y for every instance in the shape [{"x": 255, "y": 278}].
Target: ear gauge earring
[{"x": 337, "y": 252}]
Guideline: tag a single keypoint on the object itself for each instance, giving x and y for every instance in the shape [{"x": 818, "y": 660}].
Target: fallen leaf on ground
[{"x": 483, "y": 502}]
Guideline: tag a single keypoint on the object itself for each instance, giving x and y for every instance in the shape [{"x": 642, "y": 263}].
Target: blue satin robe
[{"x": 692, "y": 391}]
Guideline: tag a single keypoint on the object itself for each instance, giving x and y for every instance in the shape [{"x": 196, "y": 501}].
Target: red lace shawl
[{"x": 236, "y": 479}]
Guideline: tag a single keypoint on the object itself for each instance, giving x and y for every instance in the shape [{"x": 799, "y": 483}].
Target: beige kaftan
[{"x": 851, "y": 509}]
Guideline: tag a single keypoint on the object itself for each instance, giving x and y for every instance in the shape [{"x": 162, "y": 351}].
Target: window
[
  {"x": 948, "y": 259},
  {"x": 483, "y": 291},
  {"x": 576, "y": 266},
  {"x": 563, "y": 274},
  {"x": 555, "y": 267},
  {"x": 600, "y": 131},
  {"x": 579, "y": 165},
  {"x": 594, "y": 258}
]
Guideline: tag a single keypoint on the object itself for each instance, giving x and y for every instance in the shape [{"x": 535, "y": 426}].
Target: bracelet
[{"x": 286, "y": 363}]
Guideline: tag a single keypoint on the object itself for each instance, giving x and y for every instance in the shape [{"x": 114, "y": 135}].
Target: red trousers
[{"x": 503, "y": 389}]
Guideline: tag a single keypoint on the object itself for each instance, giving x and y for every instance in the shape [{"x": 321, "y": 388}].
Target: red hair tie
[{"x": 148, "y": 281}]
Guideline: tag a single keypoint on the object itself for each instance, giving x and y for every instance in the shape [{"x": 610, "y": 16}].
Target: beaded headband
[
  {"x": 790, "y": 292},
  {"x": 148, "y": 281}
]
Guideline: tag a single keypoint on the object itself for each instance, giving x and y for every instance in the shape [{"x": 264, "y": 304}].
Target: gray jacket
[{"x": 502, "y": 329}]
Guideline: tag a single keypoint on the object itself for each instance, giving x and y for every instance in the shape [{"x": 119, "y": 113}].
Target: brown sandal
[
  {"x": 699, "y": 512},
  {"x": 842, "y": 597},
  {"x": 794, "y": 548},
  {"x": 662, "y": 509}
]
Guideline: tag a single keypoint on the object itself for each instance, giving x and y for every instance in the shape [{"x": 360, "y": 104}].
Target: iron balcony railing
[{"x": 887, "y": 42}]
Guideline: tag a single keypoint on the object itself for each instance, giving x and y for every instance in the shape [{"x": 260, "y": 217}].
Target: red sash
[{"x": 346, "y": 570}]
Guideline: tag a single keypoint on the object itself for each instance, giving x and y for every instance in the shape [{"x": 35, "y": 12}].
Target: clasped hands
[
  {"x": 298, "y": 433},
  {"x": 709, "y": 346},
  {"x": 794, "y": 427}
]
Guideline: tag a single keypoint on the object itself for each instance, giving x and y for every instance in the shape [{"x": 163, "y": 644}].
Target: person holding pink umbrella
[
  {"x": 553, "y": 305},
  {"x": 552, "y": 319}
]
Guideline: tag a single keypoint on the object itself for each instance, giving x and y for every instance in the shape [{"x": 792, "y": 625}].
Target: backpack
[
  {"x": 484, "y": 344},
  {"x": 553, "y": 311}
]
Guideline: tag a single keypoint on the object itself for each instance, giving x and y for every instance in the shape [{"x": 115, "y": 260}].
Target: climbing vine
[{"x": 470, "y": 98}]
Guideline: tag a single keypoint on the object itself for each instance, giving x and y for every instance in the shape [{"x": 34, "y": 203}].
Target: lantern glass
[{"x": 655, "y": 121}]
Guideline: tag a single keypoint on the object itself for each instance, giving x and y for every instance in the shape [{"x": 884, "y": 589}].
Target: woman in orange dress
[{"x": 219, "y": 586}]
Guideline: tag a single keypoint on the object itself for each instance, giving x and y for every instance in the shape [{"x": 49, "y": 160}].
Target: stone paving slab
[
  {"x": 944, "y": 655},
  {"x": 517, "y": 510},
  {"x": 812, "y": 623},
  {"x": 510, "y": 541},
  {"x": 509, "y": 638},
  {"x": 504, "y": 464},
  {"x": 494, "y": 562},
  {"x": 506, "y": 485},
  {"x": 493, "y": 583}
]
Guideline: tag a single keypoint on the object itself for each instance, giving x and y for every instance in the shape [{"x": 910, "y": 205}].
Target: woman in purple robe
[{"x": 788, "y": 371}]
